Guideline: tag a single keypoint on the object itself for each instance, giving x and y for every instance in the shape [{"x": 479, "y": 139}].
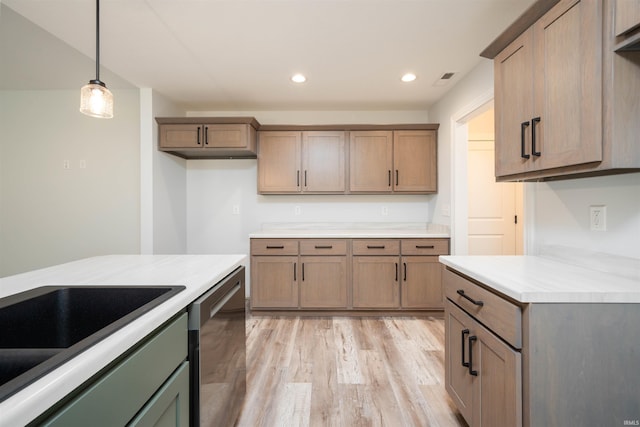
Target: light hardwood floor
[{"x": 346, "y": 371}]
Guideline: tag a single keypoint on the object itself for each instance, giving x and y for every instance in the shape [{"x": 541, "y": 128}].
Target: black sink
[{"x": 45, "y": 327}]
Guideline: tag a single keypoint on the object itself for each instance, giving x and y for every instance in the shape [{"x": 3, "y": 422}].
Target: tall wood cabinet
[
  {"x": 301, "y": 162},
  {"x": 561, "y": 93}
]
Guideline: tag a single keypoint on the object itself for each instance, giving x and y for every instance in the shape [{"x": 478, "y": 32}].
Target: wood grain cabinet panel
[
  {"x": 627, "y": 16},
  {"x": 323, "y": 282},
  {"x": 279, "y": 162},
  {"x": 274, "y": 281},
  {"x": 421, "y": 283},
  {"x": 323, "y": 162},
  {"x": 376, "y": 282},
  {"x": 371, "y": 161},
  {"x": 414, "y": 160}
]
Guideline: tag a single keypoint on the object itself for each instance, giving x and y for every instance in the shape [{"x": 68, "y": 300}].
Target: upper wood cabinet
[
  {"x": 627, "y": 16},
  {"x": 562, "y": 104},
  {"x": 402, "y": 161},
  {"x": 295, "y": 162},
  {"x": 202, "y": 137}
]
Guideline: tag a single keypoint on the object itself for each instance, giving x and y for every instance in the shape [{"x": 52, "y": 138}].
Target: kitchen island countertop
[
  {"x": 196, "y": 272},
  {"x": 552, "y": 279}
]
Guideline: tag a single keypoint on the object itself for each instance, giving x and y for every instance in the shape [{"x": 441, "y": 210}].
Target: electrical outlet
[
  {"x": 385, "y": 211},
  {"x": 236, "y": 209},
  {"x": 83, "y": 164},
  {"x": 297, "y": 210},
  {"x": 66, "y": 164},
  {"x": 446, "y": 210},
  {"x": 598, "y": 218}
]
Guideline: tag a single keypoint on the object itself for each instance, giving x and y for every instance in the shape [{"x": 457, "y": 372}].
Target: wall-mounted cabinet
[
  {"x": 206, "y": 137},
  {"x": 562, "y": 104},
  {"x": 301, "y": 162}
]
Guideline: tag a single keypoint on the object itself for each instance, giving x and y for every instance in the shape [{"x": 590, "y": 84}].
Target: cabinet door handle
[
  {"x": 324, "y": 247},
  {"x": 295, "y": 276},
  {"x": 463, "y": 333},
  {"x": 275, "y": 246},
  {"x": 471, "y": 370},
  {"x": 297, "y": 178},
  {"x": 389, "y": 177},
  {"x": 375, "y": 247},
  {"x": 404, "y": 265},
  {"x": 396, "y": 271},
  {"x": 425, "y": 246},
  {"x": 396, "y": 177},
  {"x": 305, "y": 178},
  {"x": 206, "y": 135},
  {"x": 303, "y": 271},
  {"x": 523, "y": 127},
  {"x": 463, "y": 295},
  {"x": 198, "y": 140},
  {"x": 533, "y": 136}
]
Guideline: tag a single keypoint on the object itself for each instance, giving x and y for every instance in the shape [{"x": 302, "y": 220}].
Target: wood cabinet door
[
  {"x": 513, "y": 73},
  {"x": 226, "y": 135},
  {"x": 279, "y": 162},
  {"x": 421, "y": 282},
  {"x": 627, "y": 16},
  {"x": 323, "y": 282},
  {"x": 568, "y": 85},
  {"x": 458, "y": 382},
  {"x": 414, "y": 160},
  {"x": 323, "y": 162},
  {"x": 181, "y": 136},
  {"x": 497, "y": 399},
  {"x": 274, "y": 281},
  {"x": 376, "y": 281},
  {"x": 371, "y": 161}
]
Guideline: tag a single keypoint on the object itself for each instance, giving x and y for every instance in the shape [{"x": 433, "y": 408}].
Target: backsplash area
[{"x": 562, "y": 214}]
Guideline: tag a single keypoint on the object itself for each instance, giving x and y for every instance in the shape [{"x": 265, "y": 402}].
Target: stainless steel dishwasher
[{"x": 217, "y": 353}]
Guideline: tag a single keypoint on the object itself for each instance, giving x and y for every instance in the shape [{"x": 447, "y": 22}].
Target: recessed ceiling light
[
  {"x": 298, "y": 78},
  {"x": 409, "y": 77}
]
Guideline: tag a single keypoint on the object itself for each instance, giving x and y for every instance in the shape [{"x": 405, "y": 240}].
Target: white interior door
[{"x": 494, "y": 209}]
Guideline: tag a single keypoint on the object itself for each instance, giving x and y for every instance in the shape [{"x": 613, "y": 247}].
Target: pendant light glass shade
[{"x": 96, "y": 100}]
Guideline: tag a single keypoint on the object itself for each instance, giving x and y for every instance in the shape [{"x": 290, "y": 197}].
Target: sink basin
[{"x": 45, "y": 327}]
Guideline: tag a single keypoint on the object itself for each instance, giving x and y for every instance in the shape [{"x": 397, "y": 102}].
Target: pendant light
[{"x": 95, "y": 99}]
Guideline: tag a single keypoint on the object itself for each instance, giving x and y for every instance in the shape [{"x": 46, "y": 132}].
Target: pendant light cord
[{"x": 98, "y": 40}]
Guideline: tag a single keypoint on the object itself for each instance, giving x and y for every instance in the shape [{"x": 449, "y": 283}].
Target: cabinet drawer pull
[
  {"x": 464, "y": 332},
  {"x": 375, "y": 246},
  {"x": 425, "y": 246},
  {"x": 206, "y": 135},
  {"x": 324, "y": 247},
  {"x": 463, "y": 295},
  {"x": 471, "y": 370},
  {"x": 533, "y": 136},
  {"x": 198, "y": 140},
  {"x": 275, "y": 246},
  {"x": 523, "y": 126}
]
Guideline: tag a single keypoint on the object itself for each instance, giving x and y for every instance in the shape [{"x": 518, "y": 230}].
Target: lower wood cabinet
[{"x": 346, "y": 274}]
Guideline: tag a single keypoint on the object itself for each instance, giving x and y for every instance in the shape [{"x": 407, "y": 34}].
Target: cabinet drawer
[
  {"x": 376, "y": 247},
  {"x": 323, "y": 247},
  {"x": 274, "y": 247},
  {"x": 425, "y": 246},
  {"x": 496, "y": 313}
]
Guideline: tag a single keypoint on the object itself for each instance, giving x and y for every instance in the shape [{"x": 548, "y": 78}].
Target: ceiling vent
[{"x": 444, "y": 79}]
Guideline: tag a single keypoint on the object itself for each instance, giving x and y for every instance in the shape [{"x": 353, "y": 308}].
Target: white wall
[
  {"x": 562, "y": 214},
  {"x": 48, "y": 214},
  {"x": 215, "y": 186}
]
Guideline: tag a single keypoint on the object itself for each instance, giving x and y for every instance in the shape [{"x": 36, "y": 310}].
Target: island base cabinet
[
  {"x": 148, "y": 382},
  {"x": 483, "y": 374}
]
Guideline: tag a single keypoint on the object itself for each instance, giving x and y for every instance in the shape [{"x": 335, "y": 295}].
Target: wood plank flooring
[{"x": 346, "y": 371}]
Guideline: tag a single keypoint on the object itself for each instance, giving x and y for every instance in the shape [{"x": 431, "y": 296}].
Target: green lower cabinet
[
  {"x": 169, "y": 407},
  {"x": 154, "y": 375}
]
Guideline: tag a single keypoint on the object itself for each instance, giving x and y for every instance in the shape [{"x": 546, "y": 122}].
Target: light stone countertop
[
  {"x": 362, "y": 230},
  {"x": 553, "y": 279},
  {"x": 197, "y": 273}
]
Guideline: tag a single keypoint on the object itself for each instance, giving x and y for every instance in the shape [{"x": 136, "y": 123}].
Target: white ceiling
[{"x": 240, "y": 54}]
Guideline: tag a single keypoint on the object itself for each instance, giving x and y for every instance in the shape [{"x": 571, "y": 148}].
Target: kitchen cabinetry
[
  {"x": 151, "y": 384},
  {"x": 561, "y": 103},
  {"x": 274, "y": 273},
  {"x": 324, "y": 274},
  {"x": 307, "y": 162},
  {"x": 393, "y": 161},
  {"x": 201, "y": 137},
  {"x": 376, "y": 273},
  {"x": 627, "y": 16}
]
